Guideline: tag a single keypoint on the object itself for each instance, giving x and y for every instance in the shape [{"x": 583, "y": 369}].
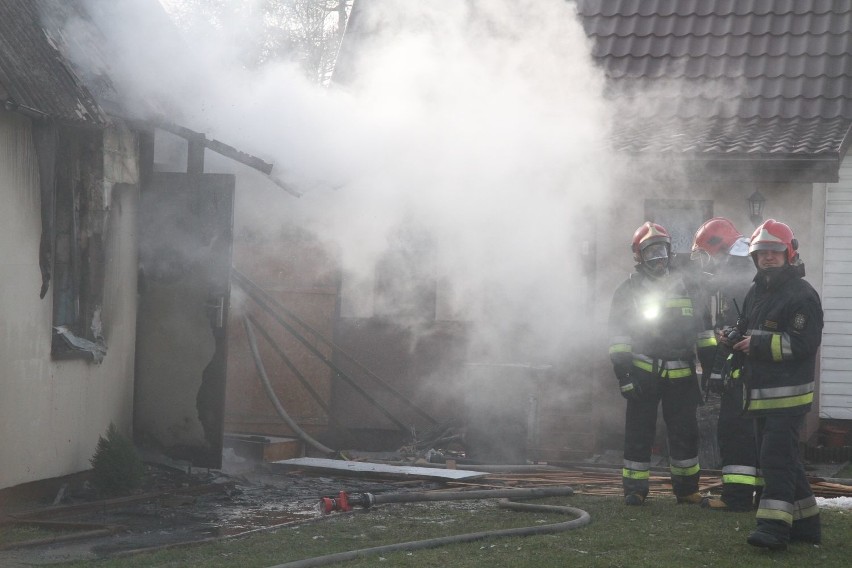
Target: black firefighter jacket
[
  {"x": 655, "y": 325},
  {"x": 785, "y": 322}
]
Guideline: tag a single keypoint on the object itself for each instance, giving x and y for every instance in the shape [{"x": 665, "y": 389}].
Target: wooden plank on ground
[
  {"x": 598, "y": 483},
  {"x": 343, "y": 467}
]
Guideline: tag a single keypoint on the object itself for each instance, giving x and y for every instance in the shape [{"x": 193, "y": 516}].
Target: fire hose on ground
[{"x": 345, "y": 502}]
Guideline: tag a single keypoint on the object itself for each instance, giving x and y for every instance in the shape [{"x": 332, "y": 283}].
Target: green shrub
[{"x": 117, "y": 467}]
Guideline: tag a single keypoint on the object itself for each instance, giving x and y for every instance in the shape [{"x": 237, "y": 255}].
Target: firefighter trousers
[
  {"x": 738, "y": 450},
  {"x": 787, "y": 507},
  {"x": 679, "y": 398}
]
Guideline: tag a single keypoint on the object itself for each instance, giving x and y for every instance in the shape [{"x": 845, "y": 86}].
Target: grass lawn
[
  {"x": 659, "y": 534},
  {"x": 13, "y": 534}
]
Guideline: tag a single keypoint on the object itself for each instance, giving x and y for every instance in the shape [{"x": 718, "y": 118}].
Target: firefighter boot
[
  {"x": 633, "y": 499},
  {"x": 764, "y": 539},
  {"x": 806, "y": 530},
  {"x": 691, "y": 499},
  {"x": 719, "y": 504},
  {"x": 714, "y": 504}
]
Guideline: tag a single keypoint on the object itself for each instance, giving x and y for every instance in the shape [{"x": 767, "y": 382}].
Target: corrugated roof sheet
[
  {"x": 33, "y": 72},
  {"x": 710, "y": 74}
]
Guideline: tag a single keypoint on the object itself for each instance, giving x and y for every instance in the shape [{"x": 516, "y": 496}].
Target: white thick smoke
[
  {"x": 480, "y": 124},
  {"x": 492, "y": 137}
]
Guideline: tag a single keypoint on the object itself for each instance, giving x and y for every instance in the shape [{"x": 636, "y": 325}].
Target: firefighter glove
[{"x": 630, "y": 389}]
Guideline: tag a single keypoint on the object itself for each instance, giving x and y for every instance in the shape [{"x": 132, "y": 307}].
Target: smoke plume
[{"x": 470, "y": 140}]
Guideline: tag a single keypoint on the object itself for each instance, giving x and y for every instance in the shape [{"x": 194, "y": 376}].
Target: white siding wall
[
  {"x": 836, "y": 357},
  {"x": 52, "y": 412}
]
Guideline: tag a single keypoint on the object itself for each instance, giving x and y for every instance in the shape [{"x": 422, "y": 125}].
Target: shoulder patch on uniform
[{"x": 799, "y": 321}]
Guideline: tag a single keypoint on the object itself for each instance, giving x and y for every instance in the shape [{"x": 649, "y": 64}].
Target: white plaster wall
[
  {"x": 52, "y": 412},
  {"x": 835, "y": 387}
]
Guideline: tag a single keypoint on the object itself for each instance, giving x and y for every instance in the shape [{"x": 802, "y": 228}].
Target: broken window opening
[{"x": 78, "y": 259}]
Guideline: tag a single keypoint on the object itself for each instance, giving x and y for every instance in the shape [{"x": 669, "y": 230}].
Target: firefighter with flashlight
[
  {"x": 785, "y": 321},
  {"x": 655, "y": 324},
  {"x": 722, "y": 253}
]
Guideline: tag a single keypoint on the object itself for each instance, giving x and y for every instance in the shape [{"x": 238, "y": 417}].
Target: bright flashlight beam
[{"x": 651, "y": 312}]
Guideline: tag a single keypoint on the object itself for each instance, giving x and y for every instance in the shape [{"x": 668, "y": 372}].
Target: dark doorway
[{"x": 186, "y": 240}]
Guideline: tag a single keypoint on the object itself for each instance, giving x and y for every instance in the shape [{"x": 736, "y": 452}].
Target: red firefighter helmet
[
  {"x": 774, "y": 235},
  {"x": 647, "y": 235},
  {"x": 715, "y": 237}
]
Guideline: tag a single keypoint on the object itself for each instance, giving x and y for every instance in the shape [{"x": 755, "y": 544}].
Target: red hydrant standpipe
[
  {"x": 340, "y": 503},
  {"x": 344, "y": 502}
]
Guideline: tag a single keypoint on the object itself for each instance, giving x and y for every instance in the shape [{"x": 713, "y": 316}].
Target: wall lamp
[{"x": 755, "y": 207}]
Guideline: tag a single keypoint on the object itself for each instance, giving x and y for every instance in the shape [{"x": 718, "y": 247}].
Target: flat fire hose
[{"x": 582, "y": 519}]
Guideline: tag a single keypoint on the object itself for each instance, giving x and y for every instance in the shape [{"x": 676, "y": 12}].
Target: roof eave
[
  {"x": 814, "y": 168},
  {"x": 761, "y": 168}
]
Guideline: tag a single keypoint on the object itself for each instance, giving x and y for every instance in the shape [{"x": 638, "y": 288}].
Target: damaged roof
[
  {"x": 35, "y": 77},
  {"x": 769, "y": 79}
]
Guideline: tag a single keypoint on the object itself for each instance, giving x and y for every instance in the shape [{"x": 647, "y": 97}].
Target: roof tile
[
  {"x": 721, "y": 78},
  {"x": 720, "y": 25},
  {"x": 609, "y": 8},
  {"x": 772, "y": 136},
  {"x": 33, "y": 72},
  {"x": 727, "y": 76}
]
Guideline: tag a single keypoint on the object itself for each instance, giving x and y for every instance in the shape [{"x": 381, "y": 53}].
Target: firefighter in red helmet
[
  {"x": 785, "y": 320},
  {"x": 716, "y": 238},
  {"x": 727, "y": 272},
  {"x": 654, "y": 326}
]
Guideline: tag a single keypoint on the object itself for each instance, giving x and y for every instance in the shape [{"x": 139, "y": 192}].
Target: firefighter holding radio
[
  {"x": 785, "y": 321},
  {"x": 722, "y": 253}
]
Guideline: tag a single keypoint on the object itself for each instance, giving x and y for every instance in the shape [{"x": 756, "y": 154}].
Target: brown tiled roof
[
  {"x": 35, "y": 78},
  {"x": 727, "y": 77}
]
